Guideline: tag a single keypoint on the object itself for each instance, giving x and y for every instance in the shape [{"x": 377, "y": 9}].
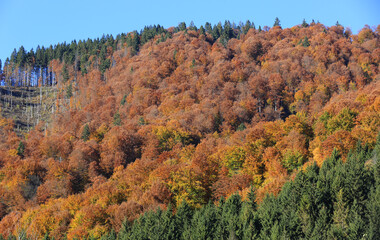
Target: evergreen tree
[
  {"x": 202, "y": 31},
  {"x": 20, "y": 149},
  {"x": 182, "y": 26},
  {"x": 305, "y": 42},
  {"x": 21, "y": 57},
  {"x": 192, "y": 26},
  {"x": 65, "y": 73},
  {"x": 109, "y": 236},
  {"x": 142, "y": 121},
  {"x": 321, "y": 225},
  {"x": 269, "y": 213},
  {"x": 304, "y": 23},
  {"x": 14, "y": 56},
  {"x": 123, "y": 100},
  {"x": 339, "y": 227},
  {"x": 124, "y": 230},
  {"x": 204, "y": 224},
  {"x": 373, "y": 209},
  {"x": 182, "y": 219},
  {"x": 86, "y": 133},
  {"x": 167, "y": 224},
  {"x": 229, "y": 226},
  {"x": 69, "y": 91},
  {"x": 116, "y": 119},
  {"x": 246, "y": 27},
  {"x": 46, "y": 237},
  {"x": 277, "y": 22},
  {"x": 208, "y": 27}
]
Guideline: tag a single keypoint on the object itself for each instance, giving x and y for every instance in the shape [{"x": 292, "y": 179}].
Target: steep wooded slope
[{"x": 190, "y": 115}]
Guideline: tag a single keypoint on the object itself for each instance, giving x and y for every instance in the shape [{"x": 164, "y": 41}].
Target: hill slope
[{"x": 184, "y": 115}]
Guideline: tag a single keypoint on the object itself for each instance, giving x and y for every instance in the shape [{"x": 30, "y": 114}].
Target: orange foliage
[{"x": 189, "y": 119}]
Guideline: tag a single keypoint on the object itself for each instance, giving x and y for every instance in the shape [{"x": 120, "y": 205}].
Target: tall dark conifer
[{"x": 277, "y": 22}]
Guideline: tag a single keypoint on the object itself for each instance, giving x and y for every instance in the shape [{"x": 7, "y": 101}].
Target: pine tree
[
  {"x": 124, "y": 230},
  {"x": 168, "y": 224},
  {"x": 277, "y": 22},
  {"x": 116, "y": 119},
  {"x": 21, "y": 57},
  {"x": 109, "y": 236},
  {"x": 252, "y": 198},
  {"x": 373, "y": 209},
  {"x": 304, "y": 23},
  {"x": 65, "y": 73},
  {"x": 20, "y": 149},
  {"x": 192, "y": 26},
  {"x": 202, "y": 31},
  {"x": 182, "y": 26},
  {"x": 86, "y": 133},
  {"x": 246, "y": 27},
  {"x": 208, "y": 27},
  {"x": 69, "y": 91},
  {"x": 321, "y": 225},
  {"x": 123, "y": 100},
  {"x": 182, "y": 219},
  {"x": 46, "y": 237},
  {"x": 14, "y": 56},
  {"x": 339, "y": 227},
  {"x": 305, "y": 42}
]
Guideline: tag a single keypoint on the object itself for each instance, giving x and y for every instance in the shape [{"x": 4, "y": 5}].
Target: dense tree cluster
[
  {"x": 195, "y": 115},
  {"x": 335, "y": 201}
]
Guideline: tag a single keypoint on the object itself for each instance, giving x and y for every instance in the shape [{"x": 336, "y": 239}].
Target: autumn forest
[{"x": 214, "y": 132}]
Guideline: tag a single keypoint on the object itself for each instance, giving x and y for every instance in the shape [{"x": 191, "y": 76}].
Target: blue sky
[{"x": 44, "y": 22}]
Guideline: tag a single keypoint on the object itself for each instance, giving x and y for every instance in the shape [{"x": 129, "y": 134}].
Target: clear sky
[{"x": 44, "y": 22}]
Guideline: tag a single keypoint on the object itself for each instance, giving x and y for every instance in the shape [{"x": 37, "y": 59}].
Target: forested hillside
[
  {"x": 336, "y": 201},
  {"x": 185, "y": 117}
]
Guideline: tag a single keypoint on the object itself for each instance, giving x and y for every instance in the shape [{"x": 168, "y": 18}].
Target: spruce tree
[
  {"x": 182, "y": 26},
  {"x": 116, "y": 119},
  {"x": 86, "y": 133},
  {"x": 69, "y": 91},
  {"x": 20, "y": 149},
  {"x": 339, "y": 227},
  {"x": 246, "y": 27},
  {"x": 123, "y": 100},
  {"x": 14, "y": 56},
  {"x": 277, "y": 22},
  {"x": 21, "y": 57},
  {"x": 202, "y": 31},
  {"x": 124, "y": 230},
  {"x": 208, "y": 27},
  {"x": 65, "y": 73},
  {"x": 182, "y": 219},
  {"x": 304, "y": 23},
  {"x": 305, "y": 42}
]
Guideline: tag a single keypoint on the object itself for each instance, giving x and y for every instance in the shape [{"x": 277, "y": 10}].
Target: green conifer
[
  {"x": 86, "y": 133},
  {"x": 277, "y": 22}
]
